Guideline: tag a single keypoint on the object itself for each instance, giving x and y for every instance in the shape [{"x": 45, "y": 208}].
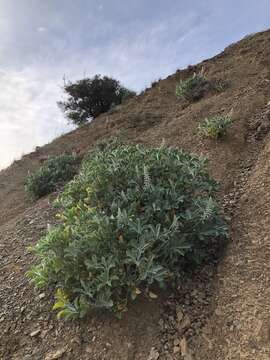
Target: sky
[{"x": 135, "y": 41}]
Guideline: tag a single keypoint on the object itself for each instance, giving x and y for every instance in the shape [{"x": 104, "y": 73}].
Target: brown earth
[{"x": 222, "y": 312}]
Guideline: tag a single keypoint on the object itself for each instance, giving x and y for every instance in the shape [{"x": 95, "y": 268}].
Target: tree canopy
[{"x": 87, "y": 98}]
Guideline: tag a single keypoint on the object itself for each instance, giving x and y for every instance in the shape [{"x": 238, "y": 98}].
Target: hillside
[{"x": 223, "y": 311}]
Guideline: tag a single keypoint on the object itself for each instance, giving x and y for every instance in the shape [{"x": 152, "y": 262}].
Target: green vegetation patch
[
  {"x": 196, "y": 86},
  {"x": 215, "y": 127},
  {"x": 55, "y": 172},
  {"x": 133, "y": 218}
]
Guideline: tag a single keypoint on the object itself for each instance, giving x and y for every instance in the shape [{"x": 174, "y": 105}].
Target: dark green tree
[{"x": 90, "y": 97}]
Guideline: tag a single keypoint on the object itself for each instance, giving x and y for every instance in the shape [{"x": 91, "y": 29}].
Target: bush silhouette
[{"x": 90, "y": 97}]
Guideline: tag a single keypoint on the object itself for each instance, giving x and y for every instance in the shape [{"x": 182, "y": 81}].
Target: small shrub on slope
[
  {"x": 134, "y": 217},
  {"x": 215, "y": 127},
  {"x": 192, "y": 89},
  {"x": 195, "y": 87},
  {"x": 53, "y": 174}
]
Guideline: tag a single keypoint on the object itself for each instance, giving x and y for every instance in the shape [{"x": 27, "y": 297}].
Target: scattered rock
[
  {"x": 218, "y": 312},
  {"x": 161, "y": 323},
  {"x": 56, "y": 354},
  {"x": 41, "y": 296},
  {"x": 185, "y": 324},
  {"x": 184, "y": 347},
  {"x": 179, "y": 314},
  {"x": 35, "y": 333},
  {"x": 154, "y": 354},
  {"x": 176, "y": 342}
]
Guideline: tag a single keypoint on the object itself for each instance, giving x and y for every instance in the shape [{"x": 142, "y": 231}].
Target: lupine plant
[
  {"x": 215, "y": 127},
  {"x": 134, "y": 218},
  {"x": 198, "y": 85}
]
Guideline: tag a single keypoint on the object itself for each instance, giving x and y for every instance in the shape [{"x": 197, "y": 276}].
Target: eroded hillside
[{"x": 222, "y": 312}]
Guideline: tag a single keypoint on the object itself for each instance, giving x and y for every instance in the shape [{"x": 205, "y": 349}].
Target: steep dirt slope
[
  {"x": 240, "y": 326},
  {"x": 222, "y": 310}
]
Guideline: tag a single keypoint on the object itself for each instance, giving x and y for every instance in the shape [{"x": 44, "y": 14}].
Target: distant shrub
[
  {"x": 55, "y": 172},
  {"x": 196, "y": 86},
  {"x": 134, "y": 217},
  {"x": 192, "y": 89},
  {"x": 155, "y": 82},
  {"x": 90, "y": 97},
  {"x": 220, "y": 85},
  {"x": 215, "y": 127}
]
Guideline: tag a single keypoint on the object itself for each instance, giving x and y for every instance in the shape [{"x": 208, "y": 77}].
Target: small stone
[
  {"x": 185, "y": 324},
  {"x": 161, "y": 323},
  {"x": 218, "y": 312},
  {"x": 179, "y": 314},
  {"x": 154, "y": 354},
  {"x": 88, "y": 349},
  {"x": 176, "y": 349},
  {"x": 176, "y": 342},
  {"x": 43, "y": 334},
  {"x": 184, "y": 347},
  {"x": 35, "y": 333},
  {"x": 41, "y": 296},
  {"x": 56, "y": 354},
  {"x": 76, "y": 340}
]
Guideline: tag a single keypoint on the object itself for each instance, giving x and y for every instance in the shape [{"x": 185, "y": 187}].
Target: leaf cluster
[{"x": 215, "y": 127}]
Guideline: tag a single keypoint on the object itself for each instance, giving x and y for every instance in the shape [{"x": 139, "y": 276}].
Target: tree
[{"x": 90, "y": 97}]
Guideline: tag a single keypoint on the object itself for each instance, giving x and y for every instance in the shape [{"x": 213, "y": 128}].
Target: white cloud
[
  {"x": 41, "y": 29},
  {"x": 28, "y": 114}
]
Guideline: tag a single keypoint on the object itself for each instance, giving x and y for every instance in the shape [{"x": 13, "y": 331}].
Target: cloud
[
  {"x": 28, "y": 113},
  {"x": 41, "y": 29}
]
